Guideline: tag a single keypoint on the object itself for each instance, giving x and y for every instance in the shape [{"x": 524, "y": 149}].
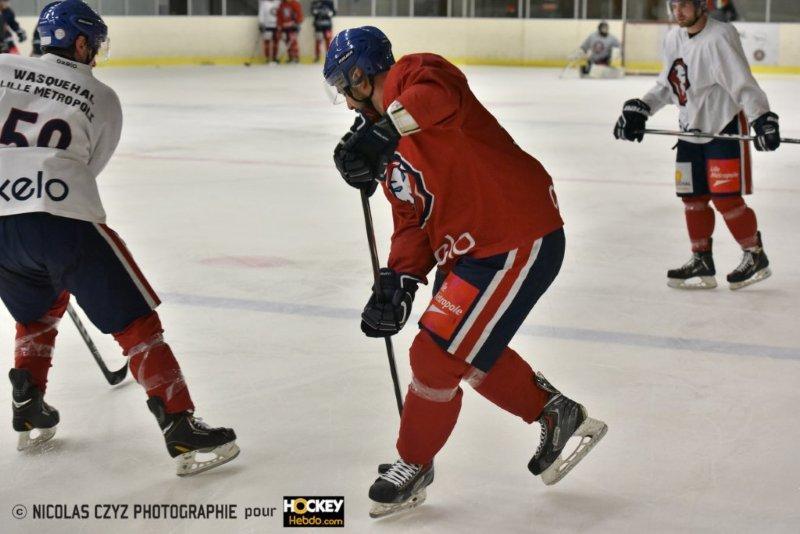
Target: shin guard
[
  {"x": 699, "y": 222},
  {"x": 33, "y": 349},
  {"x": 510, "y": 384},
  {"x": 152, "y": 363},
  {"x": 433, "y": 401},
  {"x": 740, "y": 219}
]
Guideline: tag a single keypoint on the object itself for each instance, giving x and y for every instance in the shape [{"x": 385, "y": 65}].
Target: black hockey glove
[
  {"x": 387, "y": 313},
  {"x": 261, "y": 28},
  {"x": 353, "y": 167},
  {"x": 630, "y": 125},
  {"x": 21, "y": 35},
  {"x": 768, "y": 135},
  {"x": 375, "y": 144},
  {"x": 362, "y": 157}
]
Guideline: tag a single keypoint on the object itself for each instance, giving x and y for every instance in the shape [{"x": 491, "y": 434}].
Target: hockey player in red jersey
[
  {"x": 469, "y": 201},
  {"x": 55, "y": 244},
  {"x": 290, "y": 17},
  {"x": 706, "y": 75}
]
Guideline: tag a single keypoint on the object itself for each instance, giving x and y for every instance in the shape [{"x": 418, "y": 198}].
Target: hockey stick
[
  {"x": 255, "y": 51},
  {"x": 113, "y": 377},
  {"x": 373, "y": 252},
  {"x": 568, "y": 66},
  {"x": 702, "y": 135}
]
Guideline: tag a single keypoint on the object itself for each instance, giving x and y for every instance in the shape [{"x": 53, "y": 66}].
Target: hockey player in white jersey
[
  {"x": 268, "y": 26},
  {"x": 707, "y": 76},
  {"x": 60, "y": 126}
]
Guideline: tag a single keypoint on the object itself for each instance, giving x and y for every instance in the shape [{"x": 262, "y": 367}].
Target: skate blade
[
  {"x": 698, "y": 282},
  {"x": 380, "y": 509},
  {"x": 591, "y": 432},
  {"x": 190, "y": 465},
  {"x": 763, "y": 274},
  {"x": 26, "y": 442}
]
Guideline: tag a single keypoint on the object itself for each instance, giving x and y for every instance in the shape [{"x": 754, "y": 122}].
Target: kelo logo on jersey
[
  {"x": 453, "y": 248},
  {"x": 679, "y": 80},
  {"x": 599, "y": 47},
  {"x": 24, "y": 188},
  {"x": 408, "y": 185}
]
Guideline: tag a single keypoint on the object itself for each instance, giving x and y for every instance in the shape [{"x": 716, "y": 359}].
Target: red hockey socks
[
  {"x": 740, "y": 219},
  {"x": 432, "y": 403},
  {"x": 152, "y": 363},
  {"x": 699, "y": 221},
  {"x": 510, "y": 384},
  {"x": 33, "y": 350}
]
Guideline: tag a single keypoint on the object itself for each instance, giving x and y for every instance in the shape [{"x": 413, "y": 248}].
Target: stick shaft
[
  {"x": 373, "y": 252},
  {"x": 701, "y": 135},
  {"x": 113, "y": 377}
]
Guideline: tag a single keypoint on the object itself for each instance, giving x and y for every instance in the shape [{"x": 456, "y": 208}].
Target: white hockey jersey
[
  {"x": 600, "y": 47},
  {"x": 707, "y": 76},
  {"x": 60, "y": 126},
  {"x": 268, "y": 13}
]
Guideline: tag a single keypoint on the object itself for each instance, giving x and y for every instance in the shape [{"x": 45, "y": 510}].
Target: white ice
[{"x": 224, "y": 189}]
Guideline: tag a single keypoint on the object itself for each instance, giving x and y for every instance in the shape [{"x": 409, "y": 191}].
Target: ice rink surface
[{"x": 224, "y": 189}]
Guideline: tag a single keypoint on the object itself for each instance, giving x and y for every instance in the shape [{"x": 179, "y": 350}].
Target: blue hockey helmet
[
  {"x": 61, "y": 23},
  {"x": 366, "y": 48}
]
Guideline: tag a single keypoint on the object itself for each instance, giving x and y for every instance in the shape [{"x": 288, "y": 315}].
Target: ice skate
[
  {"x": 187, "y": 437},
  {"x": 697, "y": 273},
  {"x": 34, "y": 419},
  {"x": 753, "y": 268},
  {"x": 400, "y": 486},
  {"x": 561, "y": 419}
]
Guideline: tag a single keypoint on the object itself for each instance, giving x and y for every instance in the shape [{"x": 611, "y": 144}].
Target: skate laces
[
  {"x": 694, "y": 260},
  {"x": 400, "y": 473},
  {"x": 747, "y": 261},
  {"x": 198, "y": 422}
]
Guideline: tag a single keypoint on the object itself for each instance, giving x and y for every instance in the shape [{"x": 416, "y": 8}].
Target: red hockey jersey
[
  {"x": 460, "y": 185},
  {"x": 290, "y": 14}
]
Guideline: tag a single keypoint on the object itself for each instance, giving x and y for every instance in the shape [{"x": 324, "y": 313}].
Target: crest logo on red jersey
[
  {"x": 408, "y": 185},
  {"x": 679, "y": 80}
]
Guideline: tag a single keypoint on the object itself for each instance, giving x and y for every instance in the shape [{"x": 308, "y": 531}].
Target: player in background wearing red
[
  {"x": 290, "y": 17},
  {"x": 707, "y": 76},
  {"x": 54, "y": 241},
  {"x": 467, "y": 200}
]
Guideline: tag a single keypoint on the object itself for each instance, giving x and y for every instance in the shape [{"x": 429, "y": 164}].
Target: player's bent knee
[
  {"x": 698, "y": 203},
  {"x": 139, "y": 331},
  {"x": 436, "y": 373},
  {"x": 730, "y": 207}
]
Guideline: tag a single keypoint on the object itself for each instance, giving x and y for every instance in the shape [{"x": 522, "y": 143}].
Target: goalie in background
[{"x": 601, "y": 53}]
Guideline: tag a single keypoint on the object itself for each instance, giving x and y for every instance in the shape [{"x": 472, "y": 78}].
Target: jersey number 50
[{"x": 10, "y": 136}]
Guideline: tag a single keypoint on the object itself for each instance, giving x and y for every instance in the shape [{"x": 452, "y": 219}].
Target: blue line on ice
[{"x": 555, "y": 332}]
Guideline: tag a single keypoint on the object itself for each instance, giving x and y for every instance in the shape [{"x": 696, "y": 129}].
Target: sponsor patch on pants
[
  {"x": 449, "y": 306},
  {"x": 683, "y": 177},
  {"x": 724, "y": 175}
]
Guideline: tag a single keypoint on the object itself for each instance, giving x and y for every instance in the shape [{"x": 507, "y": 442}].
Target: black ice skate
[
  {"x": 31, "y": 414},
  {"x": 187, "y": 436},
  {"x": 753, "y": 268},
  {"x": 561, "y": 419},
  {"x": 697, "y": 273},
  {"x": 400, "y": 486}
]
